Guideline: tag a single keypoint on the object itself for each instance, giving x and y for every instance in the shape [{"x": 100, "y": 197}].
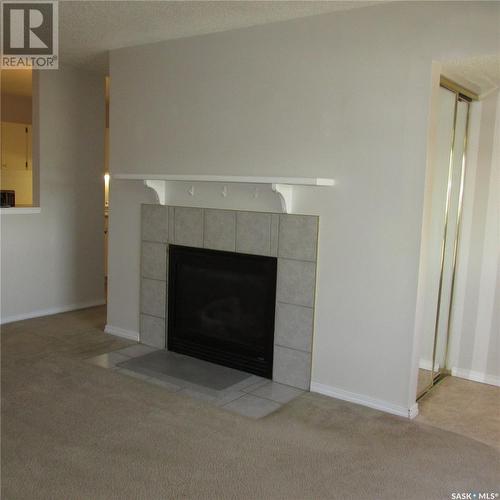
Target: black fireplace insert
[{"x": 221, "y": 307}]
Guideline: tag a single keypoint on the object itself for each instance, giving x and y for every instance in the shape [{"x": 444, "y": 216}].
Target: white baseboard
[
  {"x": 476, "y": 376},
  {"x": 365, "y": 400},
  {"x": 121, "y": 332},
  {"x": 51, "y": 311}
]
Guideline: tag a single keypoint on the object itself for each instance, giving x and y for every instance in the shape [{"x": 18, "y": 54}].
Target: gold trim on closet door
[
  {"x": 461, "y": 95},
  {"x": 458, "y": 89},
  {"x": 444, "y": 240},
  {"x": 457, "y": 236}
]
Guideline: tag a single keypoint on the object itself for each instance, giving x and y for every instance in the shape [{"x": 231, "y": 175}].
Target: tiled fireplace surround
[{"x": 290, "y": 238}]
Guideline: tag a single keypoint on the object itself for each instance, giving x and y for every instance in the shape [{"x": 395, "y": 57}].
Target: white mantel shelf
[
  {"x": 291, "y": 181},
  {"x": 283, "y": 186}
]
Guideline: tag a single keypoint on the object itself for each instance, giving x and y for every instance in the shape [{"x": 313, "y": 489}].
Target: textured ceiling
[
  {"x": 88, "y": 29},
  {"x": 479, "y": 74}
]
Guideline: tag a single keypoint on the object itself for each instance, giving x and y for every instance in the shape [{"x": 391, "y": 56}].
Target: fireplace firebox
[{"x": 221, "y": 307}]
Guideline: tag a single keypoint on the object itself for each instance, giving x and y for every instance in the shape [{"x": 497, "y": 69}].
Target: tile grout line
[
  {"x": 273, "y": 400},
  {"x": 153, "y": 241},
  {"x": 152, "y": 279},
  {"x": 295, "y": 305},
  {"x": 236, "y": 399},
  {"x": 152, "y": 316},
  {"x": 234, "y": 231},
  {"x": 238, "y": 412},
  {"x": 202, "y": 227},
  {"x": 144, "y": 378},
  {"x": 290, "y": 304},
  {"x": 297, "y": 260},
  {"x": 270, "y": 233},
  {"x": 173, "y": 228},
  {"x": 292, "y": 349}
]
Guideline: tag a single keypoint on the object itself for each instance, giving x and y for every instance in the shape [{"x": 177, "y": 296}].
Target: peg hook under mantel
[{"x": 282, "y": 186}]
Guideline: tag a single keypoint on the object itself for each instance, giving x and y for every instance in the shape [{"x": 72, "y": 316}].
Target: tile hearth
[{"x": 232, "y": 390}]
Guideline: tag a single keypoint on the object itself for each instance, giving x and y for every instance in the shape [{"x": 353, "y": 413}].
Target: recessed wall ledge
[
  {"x": 282, "y": 186},
  {"x": 19, "y": 210}
]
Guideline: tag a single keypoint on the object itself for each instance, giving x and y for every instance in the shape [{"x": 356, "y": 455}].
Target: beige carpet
[
  {"x": 71, "y": 430},
  {"x": 468, "y": 408}
]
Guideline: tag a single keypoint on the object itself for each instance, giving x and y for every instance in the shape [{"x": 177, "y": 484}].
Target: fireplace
[
  {"x": 253, "y": 271},
  {"x": 221, "y": 307}
]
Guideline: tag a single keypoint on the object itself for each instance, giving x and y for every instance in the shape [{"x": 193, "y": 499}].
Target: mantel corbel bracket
[
  {"x": 285, "y": 193},
  {"x": 159, "y": 188}
]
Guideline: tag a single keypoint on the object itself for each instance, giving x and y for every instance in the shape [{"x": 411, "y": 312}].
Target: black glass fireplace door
[{"x": 221, "y": 307}]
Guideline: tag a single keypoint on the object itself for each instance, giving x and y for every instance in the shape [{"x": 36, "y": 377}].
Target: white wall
[
  {"x": 53, "y": 260},
  {"x": 125, "y": 198},
  {"x": 342, "y": 95},
  {"x": 475, "y": 332}
]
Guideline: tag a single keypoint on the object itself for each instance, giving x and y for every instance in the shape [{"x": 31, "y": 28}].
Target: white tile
[
  {"x": 275, "y": 219},
  {"x": 220, "y": 230},
  {"x": 153, "y": 297},
  {"x": 130, "y": 373},
  {"x": 296, "y": 282},
  {"x": 134, "y": 351},
  {"x": 298, "y": 236},
  {"x": 291, "y": 367},
  {"x": 253, "y": 233},
  {"x": 252, "y": 406},
  {"x": 152, "y": 332},
  {"x": 108, "y": 360},
  {"x": 154, "y": 223},
  {"x": 188, "y": 226},
  {"x": 256, "y": 385},
  {"x": 154, "y": 260},
  {"x": 279, "y": 393},
  {"x": 171, "y": 225},
  {"x": 294, "y": 326},
  {"x": 251, "y": 380},
  {"x": 227, "y": 396}
]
